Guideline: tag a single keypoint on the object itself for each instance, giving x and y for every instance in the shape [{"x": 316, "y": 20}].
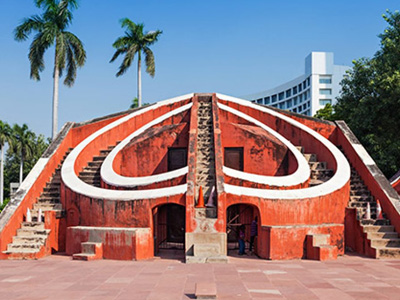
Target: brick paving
[{"x": 59, "y": 277}]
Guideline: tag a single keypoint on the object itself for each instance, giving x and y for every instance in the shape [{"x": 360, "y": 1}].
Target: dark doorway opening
[
  {"x": 169, "y": 228},
  {"x": 233, "y": 158},
  {"x": 238, "y": 215},
  {"x": 177, "y": 158}
]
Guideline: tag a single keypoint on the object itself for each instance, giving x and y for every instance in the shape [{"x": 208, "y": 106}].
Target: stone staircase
[
  {"x": 208, "y": 244},
  {"x": 89, "y": 251},
  {"x": 381, "y": 236},
  {"x": 32, "y": 236},
  {"x": 319, "y": 171},
  {"x": 91, "y": 173},
  {"x": 205, "y": 167},
  {"x": 318, "y": 247}
]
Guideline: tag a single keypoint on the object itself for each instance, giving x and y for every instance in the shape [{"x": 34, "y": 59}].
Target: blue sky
[{"x": 232, "y": 47}]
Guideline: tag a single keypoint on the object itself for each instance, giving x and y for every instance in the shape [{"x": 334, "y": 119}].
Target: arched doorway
[
  {"x": 169, "y": 228},
  {"x": 241, "y": 215}
]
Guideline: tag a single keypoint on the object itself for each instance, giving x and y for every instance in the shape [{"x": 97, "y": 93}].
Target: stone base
[{"x": 205, "y": 247}]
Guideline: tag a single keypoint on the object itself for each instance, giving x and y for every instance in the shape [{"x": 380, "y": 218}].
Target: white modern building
[{"x": 309, "y": 92}]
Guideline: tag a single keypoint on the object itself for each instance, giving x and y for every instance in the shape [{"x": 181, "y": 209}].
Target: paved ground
[{"x": 58, "y": 277}]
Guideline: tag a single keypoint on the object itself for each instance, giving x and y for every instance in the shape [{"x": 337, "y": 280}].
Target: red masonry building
[{"x": 126, "y": 186}]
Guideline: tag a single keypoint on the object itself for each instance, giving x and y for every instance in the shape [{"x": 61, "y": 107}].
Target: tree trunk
[
  {"x": 55, "y": 99},
  {"x": 139, "y": 81},
  {"x": 1, "y": 174},
  {"x": 21, "y": 170}
]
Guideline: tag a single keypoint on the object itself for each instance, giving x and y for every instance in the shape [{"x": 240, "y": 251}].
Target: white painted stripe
[
  {"x": 338, "y": 180},
  {"x": 363, "y": 154},
  {"x": 72, "y": 181},
  {"x": 300, "y": 176},
  {"x": 110, "y": 177}
]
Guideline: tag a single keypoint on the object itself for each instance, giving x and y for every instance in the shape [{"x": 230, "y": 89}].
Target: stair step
[
  {"x": 310, "y": 157},
  {"x": 30, "y": 239},
  {"x": 33, "y": 225},
  {"x": 382, "y": 235},
  {"x": 47, "y": 206},
  {"x": 32, "y": 232},
  {"x": 82, "y": 256},
  {"x": 22, "y": 247},
  {"x": 378, "y": 228},
  {"x": 89, "y": 247},
  {"x": 376, "y": 243},
  {"x": 388, "y": 252}
]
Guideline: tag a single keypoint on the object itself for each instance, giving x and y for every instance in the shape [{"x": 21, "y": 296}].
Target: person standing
[
  {"x": 253, "y": 232},
  {"x": 241, "y": 240}
]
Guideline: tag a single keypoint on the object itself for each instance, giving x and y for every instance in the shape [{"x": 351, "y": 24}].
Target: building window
[
  {"x": 308, "y": 81},
  {"x": 308, "y": 104},
  {"x": 281, "y": 95},
  {"x": 294, "y": 100},
  {"x": 282, "y": 105},
  {"x": 325, "y": 91},
  {"x": 304, "y": 85},
  {"x": 289, "y": 103},
  {"x": 288, "y": 93},
  {"x": 324, "y": 102},
  {"x": 299, "y": 86},
  {"x": 325, "y": 79},
  {"x": 295, "y": 109},
  {"x": 259, "y": 101},
  {"x": 273, "y": 98},
  {"x": 266, "y": 100},
  {"x": 295, "y": 90}
]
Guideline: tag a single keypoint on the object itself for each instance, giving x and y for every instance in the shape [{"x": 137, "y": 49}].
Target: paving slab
[{"x": 59, "y": 277}]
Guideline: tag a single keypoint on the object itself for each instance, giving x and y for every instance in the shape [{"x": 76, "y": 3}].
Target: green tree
[
  {"x": 325, "y": 113},
  {"x": 5, "y": 137},
  {"x": 23, "y": 145},
  {"x": 13, "y": 162},
  {"x": 135, "y": 41},
  {"x": 51, "y": 28},
  {"x": 135, "y": 103},
  {"x": 370, "y": 99}
]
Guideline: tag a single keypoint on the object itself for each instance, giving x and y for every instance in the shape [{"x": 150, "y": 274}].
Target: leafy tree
[
  {"x": 5, "y": 137},
  {"x": 13, "y": 161},
  {"x": 325, "y": 113},
  {"x": 23, "y": 145},
  {"x": 135, "y": 41},
  {"x": 370, "y": 99},
  {"x": 135, "y": 103},
  {"x": 51, "y": 28}
]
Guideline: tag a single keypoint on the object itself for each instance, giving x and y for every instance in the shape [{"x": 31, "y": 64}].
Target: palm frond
[
  {"x": 121, "y": 42},
  {"x": 127, "y": 23},
  {"x": 126, "y": 63},
  {"x": 77, "y": 47},
  {"x": 118, "y": 53},
  {"x": 150, "y": 65},
  {"x": 46, "y": 4},
  {"x": 36, "y": 55},
  {"x": 34, "y": 23},
  {"x": 71, "y": 67},
  {"x": 61, "y": 49},
  {"x": 152, "y": 37}
]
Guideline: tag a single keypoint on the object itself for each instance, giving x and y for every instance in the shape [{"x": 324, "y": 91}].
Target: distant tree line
[
  {"x": 370, "y": 99},
  {"x": 24, "y": 149}
]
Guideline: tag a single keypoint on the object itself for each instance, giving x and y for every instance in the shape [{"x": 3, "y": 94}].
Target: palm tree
[
  {"x": 23, "y": 145},
  {"x": 51, "y": 30},
  {"x": 5, "y": 137},
  {"x": 135, "y": 41}
]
